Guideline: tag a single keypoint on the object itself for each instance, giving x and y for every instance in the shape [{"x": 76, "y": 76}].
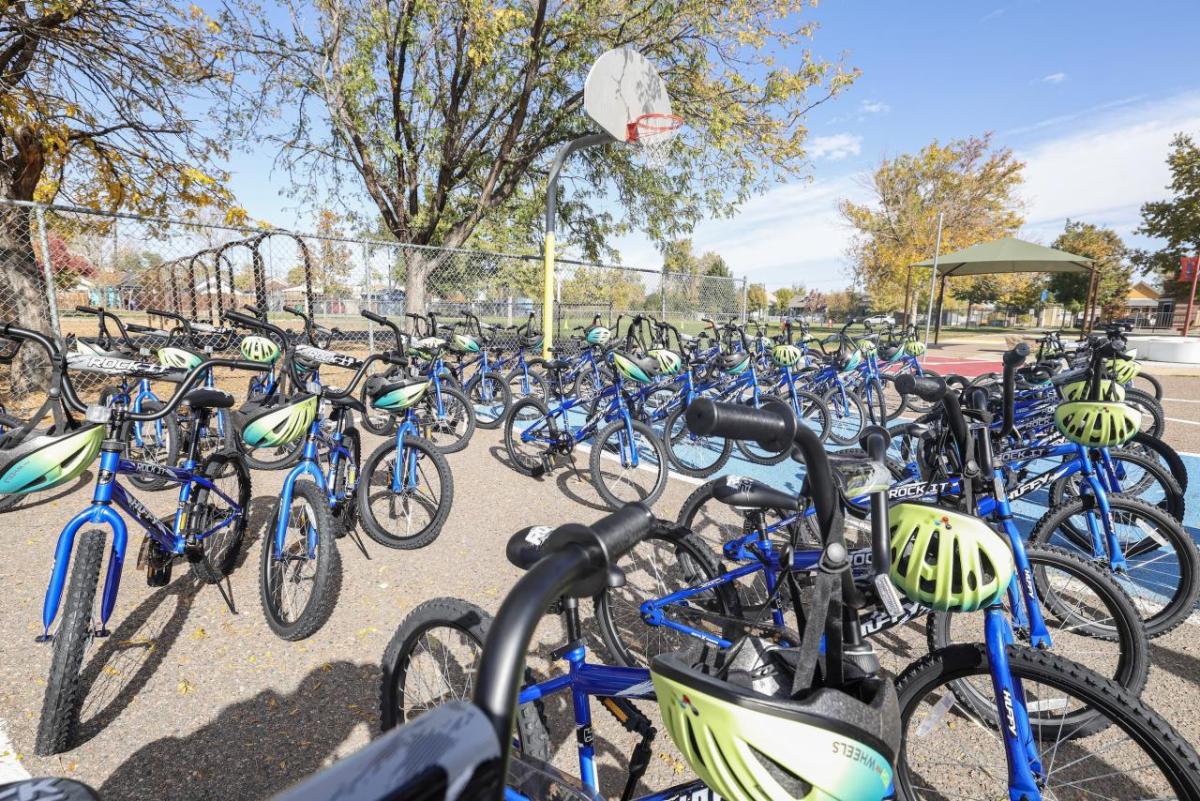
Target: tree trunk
[{"x": 23, "y": 297}]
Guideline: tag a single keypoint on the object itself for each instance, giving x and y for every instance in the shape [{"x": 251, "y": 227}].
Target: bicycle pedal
[
  {"x": 42, "y": 639},
  {"x": 101, "y": 633}
]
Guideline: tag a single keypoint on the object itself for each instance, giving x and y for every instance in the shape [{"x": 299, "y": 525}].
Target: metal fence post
[
  {"x": 366, "y": 299},
  {"x": 47, "y": 269}
]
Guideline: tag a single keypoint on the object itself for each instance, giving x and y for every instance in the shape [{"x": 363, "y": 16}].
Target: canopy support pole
[
  {"x": 1089, "y": 308},
  {"x": 937, "y": 332},
  {"x": 937, "y": 251}
]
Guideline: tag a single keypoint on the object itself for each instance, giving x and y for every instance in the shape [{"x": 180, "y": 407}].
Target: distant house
[{"x": 1146, "y": 307}]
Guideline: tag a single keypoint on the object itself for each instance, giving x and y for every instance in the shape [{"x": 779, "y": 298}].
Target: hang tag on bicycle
[
  {"x": 313, "y": 387},
  {"x": 98, "y": 414}
]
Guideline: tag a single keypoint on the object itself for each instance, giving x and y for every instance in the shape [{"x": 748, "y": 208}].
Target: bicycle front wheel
[
  {"x": 628, "y": 465},
  {"x": 404, "y": 496},
  {"x": 434, "y": 657},
  {"x": 451, "y": 427},
  {"x": 693, "y": 455},
  {"x": 1091, "y": 620},
  {"x": 949, "y": 752},
  {"x": 847, "y": 415},
  {"x": 490, "y": 396},
  {"x": 299, "y": 585}
]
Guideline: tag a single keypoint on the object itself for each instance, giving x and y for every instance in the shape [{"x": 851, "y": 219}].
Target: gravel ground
[{"x": 192, "y": 697}]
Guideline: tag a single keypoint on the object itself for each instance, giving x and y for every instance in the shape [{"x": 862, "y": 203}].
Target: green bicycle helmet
[
  {"x": 867, "y": 348},
  {"x": 277, "y": 420},
  {"x": 641, "y": 370},
  {"x": 180, "y": 358},
  {"x": 464, "y": 343},
  {"x": 786, "y": 355},
  {"x": 597, "y": 335},
  {"x": 259, "y": 349},
  {"x": 669, "y": 362},
  {"x": 48, "y": 460},
  {"x": 1124, "y": 370},
  {"x": 394, "y": 396},
  {"x": 733, "y": 717},
  {"x": 1109, "y": 391},
  {"x": 946, "y": 560},
  {"x": 914, "y": 348},
  {"x": 1097, "y": 424},
  {"x": 427, "y": 347}
]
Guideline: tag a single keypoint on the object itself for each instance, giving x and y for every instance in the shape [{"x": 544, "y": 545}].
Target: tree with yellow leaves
[
  {"x": 94, "y": 101},
  {"x": 447, "y": 113},
  {"x": 969, "y": 181}
]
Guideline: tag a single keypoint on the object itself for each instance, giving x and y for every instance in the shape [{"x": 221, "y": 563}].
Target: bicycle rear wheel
[
  {"x": 950, "y": 752},
  {"x": 665, "y": 562},
  {"x": 213, "y": 558}
]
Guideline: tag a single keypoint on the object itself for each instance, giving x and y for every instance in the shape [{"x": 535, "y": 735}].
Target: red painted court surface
[{"x": 967, "y": 367}]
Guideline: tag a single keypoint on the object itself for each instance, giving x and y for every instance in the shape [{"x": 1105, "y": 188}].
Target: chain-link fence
[{"x": 54, "y": 260}]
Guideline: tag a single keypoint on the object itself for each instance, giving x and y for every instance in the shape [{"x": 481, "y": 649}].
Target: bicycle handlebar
[
  {"x": 1012, "y": 360},
  {"x": 577, "y": 562},
  {"x": 773, "y": 427}
]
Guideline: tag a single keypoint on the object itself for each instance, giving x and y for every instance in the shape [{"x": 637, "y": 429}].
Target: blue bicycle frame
[{"x": 108, "y": 491}]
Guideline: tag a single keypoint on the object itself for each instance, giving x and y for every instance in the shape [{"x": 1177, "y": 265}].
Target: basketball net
[{"x": 653, "y": 135}]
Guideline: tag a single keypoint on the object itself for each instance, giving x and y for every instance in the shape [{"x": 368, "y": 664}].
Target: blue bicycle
[{"x": 206, "y": 528}]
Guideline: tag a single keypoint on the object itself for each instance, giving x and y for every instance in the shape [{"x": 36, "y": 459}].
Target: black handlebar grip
[
  {"x": 619, "y": 531},
  {"x": 770, "y": 428},
  {"x": 1016, "y": 357},
  {"x": 87, "y": 309},
  {"x": 1012, "y": 360},
  {"x": 373, "y": 317},
  {"x": 930, "y": 390},
  {"x": 161, "y": 313}
]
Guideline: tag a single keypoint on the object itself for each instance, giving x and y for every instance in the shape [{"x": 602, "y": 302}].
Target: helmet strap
[{"x": 823, "y": 612}]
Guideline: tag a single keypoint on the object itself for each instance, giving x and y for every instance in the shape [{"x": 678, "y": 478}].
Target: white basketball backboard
[{"x": 621, "y": 87}]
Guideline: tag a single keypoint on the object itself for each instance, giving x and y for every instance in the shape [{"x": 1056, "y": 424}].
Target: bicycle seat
[
  {"x": 558, "y": 364},
  {"x": 48, "y": 790},
  {"x": 524, "y": 548},
  {"x": 205, "y": 398},
  {"x": 1069, "y": 377},
  {"x": 744, "y": 492}
]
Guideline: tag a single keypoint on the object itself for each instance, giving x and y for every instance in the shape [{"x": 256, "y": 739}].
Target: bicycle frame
[
  {"x": 309, "y": 466},
  {"x": 108, "y": 491}
]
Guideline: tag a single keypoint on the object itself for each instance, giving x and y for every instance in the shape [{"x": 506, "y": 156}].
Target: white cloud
[
  {"x": 991, "y": 15},
  {"x": 835, "y": 146},
  {"x": 1104, "y": 171},
  {"x": 874, "y": 107},
  {"x": 1054, "y": 77},
  {"x": 1100, "y": 168}
]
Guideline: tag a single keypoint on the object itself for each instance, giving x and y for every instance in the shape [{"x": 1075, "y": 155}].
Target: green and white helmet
[
  {"x": 394, "y": 396},
  {"x": 635, "y": 369},
  {"x": 179, "y": 357},
  {"x": 914, "y": 348},
  {"x": 598, "y": 335},
  {"x": 464, "y": 343},
  {"x": 1097, "y": 424},
  {"x": 268, "y": 426},
  {"x": 48, "y": 460},
  {"x": 669, "y": 362},
  {"x": 733, "y": 717},
  {"x": 259, "y": 349},
  {"x": 946, "y": 560}
]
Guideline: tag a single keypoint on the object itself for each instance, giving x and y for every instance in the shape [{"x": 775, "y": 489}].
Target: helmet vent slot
[
  {"x": 793, "y": 784},
  {"x": 956, "y": 571}
]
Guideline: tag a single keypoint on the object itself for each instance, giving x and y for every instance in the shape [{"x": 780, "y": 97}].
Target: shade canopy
[{"x": 1008, "y": 255}]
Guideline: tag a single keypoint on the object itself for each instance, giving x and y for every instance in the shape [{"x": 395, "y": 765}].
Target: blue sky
[{"x": 1087, "y": 93}]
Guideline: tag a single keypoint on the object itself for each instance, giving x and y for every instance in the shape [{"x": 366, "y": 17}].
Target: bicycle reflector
[
  {"x": 1097, "y": 424},
  {"x": 786, "y": 355},
  {"x": 1109, "y": 391},
  {"x": 260, "y": 349},
  {"x": 48, "y": 460},
  {"x": 277, "y": 421},
  {"x": 179, "y": 357},
  {"x": 669, "y": 362},
  {"x": 946, "y": 560}
]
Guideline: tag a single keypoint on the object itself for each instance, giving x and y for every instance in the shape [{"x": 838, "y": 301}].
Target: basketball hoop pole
[{"x": 583, "y": 142}]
